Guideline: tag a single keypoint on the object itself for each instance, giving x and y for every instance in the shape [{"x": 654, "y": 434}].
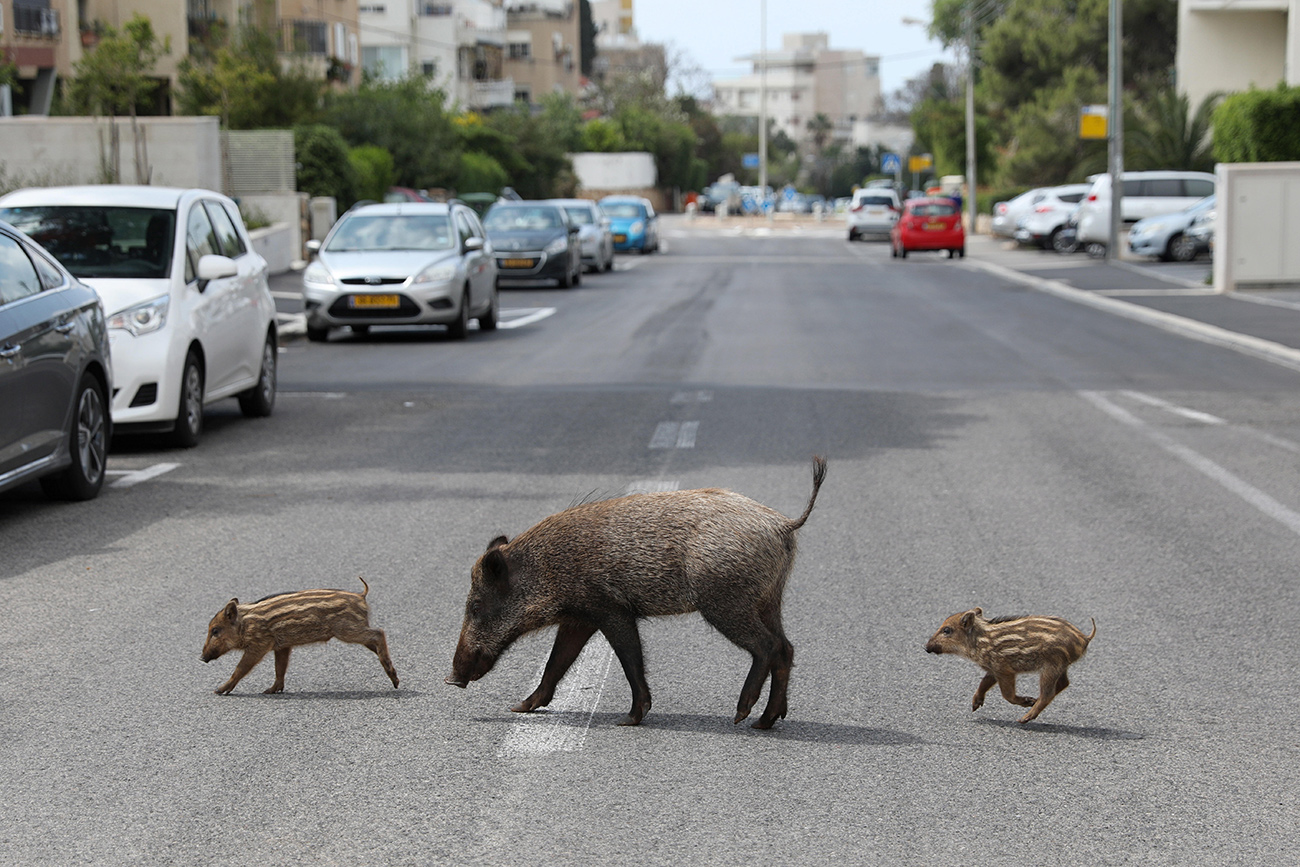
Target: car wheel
[
  {"x": 577, "y": 275},
  {"x": 1181, "y": 248},
  {"x": 566, "y": 281},
  {"x": 902, "y": 252},
  {"x": 853, "y": 235},
  {"x": 1095, "y": 250},
  {"x": 88, "y": 447},
  {"x": 893, "y": 250},
  {"x": 317, "y": 335},
  {"x": 609, "y": 262},
  {"x": 458, "y": 329},
  {"x": 259, "y": 400},
  {"x": 189, "y": 414},
  {"x": 488, "y": 321},
  {"x": 961, "y": 252}
]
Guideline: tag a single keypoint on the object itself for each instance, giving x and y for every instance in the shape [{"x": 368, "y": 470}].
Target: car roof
[
  {"x": 569, "y": 202},
  {"x": 631, "y": 200},
  {"x": 123, "y": 195},
  {"x": 394, "y": 209}
]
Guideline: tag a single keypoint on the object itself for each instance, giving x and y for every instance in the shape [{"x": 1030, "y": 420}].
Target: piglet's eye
[{"x": 947, "y": 630}]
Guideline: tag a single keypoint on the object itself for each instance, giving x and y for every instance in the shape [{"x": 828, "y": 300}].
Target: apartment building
[
  {"x": 39, "y": 38},
  {"x": 1230, "y": 45},
  {"x": 806, "y": 78},
  {"x": 459, "y": 44},
  {"x": 542, "y": 48}
]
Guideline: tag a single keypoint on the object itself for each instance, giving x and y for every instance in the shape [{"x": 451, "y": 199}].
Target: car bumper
[
  {"x": 540, "y": 266},
  {"x": 146, "y": 376},
  {"x": 932, "y": 241},
  {"x": 869, "y": 226},
  {"x": 629, "y": 241},
  {"x": 420, "y": 304}
]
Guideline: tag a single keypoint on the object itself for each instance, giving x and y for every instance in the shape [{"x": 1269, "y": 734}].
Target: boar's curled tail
[
  {"x": 819, "y": 475},
  {"x": 365, "y": 585}
]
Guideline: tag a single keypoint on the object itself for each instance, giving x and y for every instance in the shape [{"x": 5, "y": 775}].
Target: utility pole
[
  {"x": 762, "y": 100},
  {"x": 970, "y": 114},
  {"x": 1116, "y": 129}
]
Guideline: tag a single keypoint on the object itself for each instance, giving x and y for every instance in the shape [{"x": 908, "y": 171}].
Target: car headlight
[
  {"x": 142, "y": 318},
  {"x": 1149, "y": 230},
  {"x": 443, "y": 272},
  {"x": 636, "y": 228},
  {"x": 317, "y": 273},
  {"x": 556, "y": 247}
]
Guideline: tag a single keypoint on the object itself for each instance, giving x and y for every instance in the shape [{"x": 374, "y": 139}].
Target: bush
[
  {"x": 480, "y": 173},
  {"x": 373, "y": 167},
  {"x": 323, "y": 165},
  {"x": 1258, "y": 126}
]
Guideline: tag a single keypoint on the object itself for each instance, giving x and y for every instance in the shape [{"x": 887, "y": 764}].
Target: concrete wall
[
  {"x": 1257, "y": 219},
  {"x": 180, "y": 151},
  {"x": 601, "y": 171},
  {"x": 1230, "y": 45}
]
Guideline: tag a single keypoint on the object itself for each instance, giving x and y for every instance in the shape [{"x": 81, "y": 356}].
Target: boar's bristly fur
[
  {"x": 287, "y": 620},
  {"x": 599, "y": 567}
]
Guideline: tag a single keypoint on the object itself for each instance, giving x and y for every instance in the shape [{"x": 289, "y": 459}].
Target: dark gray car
[{"x": 55, "y": 374}]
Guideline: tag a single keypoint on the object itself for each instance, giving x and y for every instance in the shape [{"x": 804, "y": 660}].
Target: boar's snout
[
  {"x": 454, "y": 681},
  {"x": 934, "y": 647},
  {"x": 469, "y": 663}
]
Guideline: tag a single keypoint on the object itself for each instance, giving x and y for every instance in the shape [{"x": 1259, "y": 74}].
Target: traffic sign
[
  {"x": 890, "y": 164},
  {"x": 749, "y": 161}
]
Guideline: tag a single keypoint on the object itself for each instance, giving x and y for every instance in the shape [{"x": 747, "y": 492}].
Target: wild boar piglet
[
  {"x": 287, "y": 620},
  {"x": 600, "y": 567},
  {"x": 1007, "y": 646}
]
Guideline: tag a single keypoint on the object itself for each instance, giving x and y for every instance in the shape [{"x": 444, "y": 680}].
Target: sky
[{"x": 713, "y": 33}]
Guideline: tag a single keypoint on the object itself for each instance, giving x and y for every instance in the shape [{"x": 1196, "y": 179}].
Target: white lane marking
[
  {"x": 521, "y": 316},
  {"x": 675, "y": 435},
  {"x": 323, "y": 395},
  {"x": 1248, "y": 492},
  {"x": 1193, "y": 414},
  {"x": 692, "y": 397},
  {"x": 132, "y": 478},
  {"x": 578, "y": 693},
  {"x": 286, "y": 296}
]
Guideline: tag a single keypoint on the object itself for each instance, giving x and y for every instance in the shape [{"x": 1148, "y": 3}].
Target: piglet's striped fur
[{"x": 286, "y": 620}]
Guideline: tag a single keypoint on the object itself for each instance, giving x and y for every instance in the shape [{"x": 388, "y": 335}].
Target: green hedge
[{"x": 1258, "y": 126}]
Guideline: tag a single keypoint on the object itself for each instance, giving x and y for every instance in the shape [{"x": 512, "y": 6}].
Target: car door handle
[
  {"x": 65, "y": 327},
  {"x": 10, "y": 351}
]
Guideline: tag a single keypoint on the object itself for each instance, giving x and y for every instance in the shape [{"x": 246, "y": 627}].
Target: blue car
[{"x": 633, "y": 221}]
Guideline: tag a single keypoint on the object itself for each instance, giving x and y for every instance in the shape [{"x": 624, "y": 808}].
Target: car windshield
[
  {"x": 580, "y": 215},
  {"x": 522, "y": 219},
  {"x": 877, "y": 200},
  {"x": 934, "y": 209},
  {"x": 368, "y": 232},
  {"x": 622, "y": 209},
  {"x": 101, "y": 241}
]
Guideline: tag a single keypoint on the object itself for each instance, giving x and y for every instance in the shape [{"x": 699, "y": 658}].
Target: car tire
[
  {"x": 609, "y": 262},
  {"x": 902, "y": 252},
  {"x": 961, "y": 252},
  {"x": 87, "y": 445},
  {"x": 893, "y": 250},
  {"x": 259, "y": 401},
  {"x": 566, "y": 281},
  {"x": 1181, "y": 249},
  {"x": 853, "y": 235},
  {"x": 577, "y": 275},
  {"x": 459, "y": 328},
  {"x": 488, "y": 321},
  {"x": 317, "y": 335},
  {"x": 189, "y": 412},
  {"x": 1095, "y": 250}
]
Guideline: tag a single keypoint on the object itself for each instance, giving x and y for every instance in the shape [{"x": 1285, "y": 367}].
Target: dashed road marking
[
  {"x": 518, "y": 317},
  {"x": 131, "y": 478},
  {"x": 675, "y": 435}
]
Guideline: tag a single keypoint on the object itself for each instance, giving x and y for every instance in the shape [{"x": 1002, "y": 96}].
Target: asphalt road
[{"x": 988, "y": 444}]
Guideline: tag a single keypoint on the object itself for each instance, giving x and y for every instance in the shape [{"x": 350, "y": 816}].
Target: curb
[{"x": 1255, "y": 347}]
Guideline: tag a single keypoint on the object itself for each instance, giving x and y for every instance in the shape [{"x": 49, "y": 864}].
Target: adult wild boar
[{"x": 601, "y": 566}]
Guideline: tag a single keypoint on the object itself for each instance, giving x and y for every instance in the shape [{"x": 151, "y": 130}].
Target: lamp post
[
  {"x": 1115, "y": 146},
  {"x": 971, "y": 209},
  {"x": 762, "y": 99}
]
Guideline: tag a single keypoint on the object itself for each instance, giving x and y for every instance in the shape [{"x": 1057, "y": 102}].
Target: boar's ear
[
  {"x": 496, "y": 572},
  {"x": 497, "y": 542},
  {"x": 232, "y": 609},
  {"x": 969, "y": 617}
]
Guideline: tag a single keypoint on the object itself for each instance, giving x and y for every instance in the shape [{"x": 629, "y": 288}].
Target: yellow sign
[
  {"x": 919, "y": 164},
  {"x": 1093, "y": 122}
]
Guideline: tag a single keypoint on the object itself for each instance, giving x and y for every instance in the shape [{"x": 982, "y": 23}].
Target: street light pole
[
  {"x": 971, "y": 209},
  {"x": 1115, "y": 129},
  {"x": 762, "y": 100}
]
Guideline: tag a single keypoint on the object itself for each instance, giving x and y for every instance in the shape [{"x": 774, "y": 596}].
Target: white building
[
  {"x": 1229, "y": 45},
  {"x": 460, "y": 43},
  {"x": 806, "y": 78}
]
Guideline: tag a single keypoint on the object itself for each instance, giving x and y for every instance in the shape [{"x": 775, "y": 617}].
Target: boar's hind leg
[
  {"x": 569, "y": 640},
  {"x": 281, "y": 666},
  {"x": 772, "y": 653},
  {"x": 622, "y": 635},
  {"x": 378, "y": 644}
]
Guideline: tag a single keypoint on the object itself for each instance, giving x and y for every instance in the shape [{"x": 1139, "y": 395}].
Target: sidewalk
[{"x": 1264, "y": 323}]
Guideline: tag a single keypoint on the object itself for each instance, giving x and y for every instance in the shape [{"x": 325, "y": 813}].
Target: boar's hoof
[
  {"x": 630, "y": 720},
  {"x": 272, "y": 690},
  {"x": 454, "y": 681}
]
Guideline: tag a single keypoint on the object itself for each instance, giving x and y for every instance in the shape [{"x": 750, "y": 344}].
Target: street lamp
[{"x": 762, "y": 100}]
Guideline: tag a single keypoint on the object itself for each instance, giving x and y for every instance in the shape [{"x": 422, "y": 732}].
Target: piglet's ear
[
  {"x": 497, "y": 542},
  {"x": 969, "y": 617},
  {"x": 495, "y": 569},
  {"x": 232, "y": 609}
]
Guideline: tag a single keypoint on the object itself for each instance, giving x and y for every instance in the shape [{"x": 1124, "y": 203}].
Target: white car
[
  {"x": 190, "y": 315},
  {"x": 1145, "y": 194},
  {"x": 872, "y": 211},
  {"x": 1006, "y": 215},
  {"x": 594, "y": 232},
  {"x": 1050, "y": 211}
]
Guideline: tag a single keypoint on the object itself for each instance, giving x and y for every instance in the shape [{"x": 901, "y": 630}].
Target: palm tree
[{"x": 1164, "y": 133}]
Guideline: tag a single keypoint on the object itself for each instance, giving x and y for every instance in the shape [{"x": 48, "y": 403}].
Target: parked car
[
  {"x": 1006, "y": 215},
  {"x": 1165, "y": 235},
  {"x": 413, "y": 263},
  {"x": 928, "y": 224},
  {"x": 634, "y": 223},
  {"x": 1049, "y": 214},
  {"x": 595, "y": 236},
  {"x": 1145, "y": 194},
  {"x": 54, "y": 367},
  {"x": 534, "y": 241},
  {"x": 190, "y": 316},
  {"x": 1200, "y": 234},
  {"x": 872, "y": 211}
]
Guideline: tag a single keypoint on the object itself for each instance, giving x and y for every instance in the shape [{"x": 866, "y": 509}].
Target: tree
[
  {"x": 241, "y": 80},
  {"x": 114, "y": 78},
  {"x": 323, "y": 165},
  {"x": 1164, "y": 133},
  {"x": 372, "y": 167}
]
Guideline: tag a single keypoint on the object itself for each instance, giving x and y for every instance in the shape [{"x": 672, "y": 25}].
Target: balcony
[
  {"x": 36, "y": 19},
  {"x": 490, "y": 94},
  {"x": 301, "y": 36}
]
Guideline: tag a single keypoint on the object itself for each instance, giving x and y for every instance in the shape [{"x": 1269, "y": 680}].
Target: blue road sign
[
  {"x": 890, "y": 164},
  {"x": 749, "y": 161}
]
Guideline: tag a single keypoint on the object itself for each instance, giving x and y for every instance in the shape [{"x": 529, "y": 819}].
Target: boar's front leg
[
  {"x": 246, "y": 663},
  {"x": 571, "y": 637},
  {"x": 622, "y": 635}
]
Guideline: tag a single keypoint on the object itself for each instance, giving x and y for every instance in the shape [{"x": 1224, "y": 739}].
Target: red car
[{"x": 928, "y": 224}]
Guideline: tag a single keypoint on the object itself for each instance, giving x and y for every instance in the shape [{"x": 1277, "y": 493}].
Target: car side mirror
[
  {"x": 313, "y": 247},
  {"x": 473, "y": 243},
  {"x": 573, "y": 230},
  {"x": 215, "y": 268}
]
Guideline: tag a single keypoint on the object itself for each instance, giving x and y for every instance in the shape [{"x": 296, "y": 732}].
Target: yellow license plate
[
  {"x": 518, "y": 263},
  {"x": 373, "y": 302},
  {"x": 619, "y": 239},
  {"x": 935, "y": 227}
]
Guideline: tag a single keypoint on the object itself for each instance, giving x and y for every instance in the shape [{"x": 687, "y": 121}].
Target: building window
[
  {"x": 306, "y": 37},
  {"x": 521, "y": 50},
  {"x": 376, "y": 8},
  {"x": 385, "y": 62},
  {"x": 523, "y": 94},
  {"x": 429, "y": 68},
  {"x": 435, "y": 10}
]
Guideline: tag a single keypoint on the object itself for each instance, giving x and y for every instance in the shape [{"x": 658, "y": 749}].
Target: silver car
[
  {"x": 1167, "y": 235},
  {"x": 594, "y": 233},
  {"x": 410, "y": 263}
]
